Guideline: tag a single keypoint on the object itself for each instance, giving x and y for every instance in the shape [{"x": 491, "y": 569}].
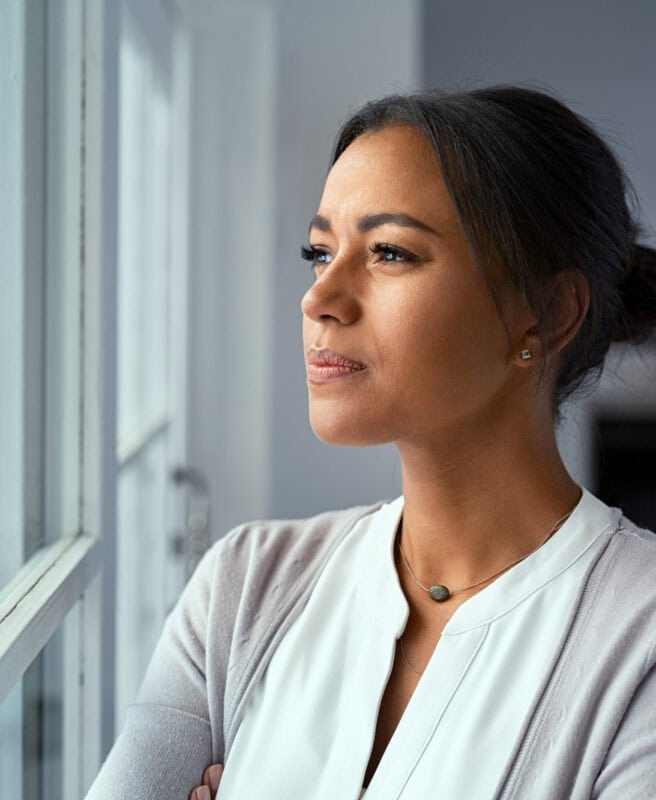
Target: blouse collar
[{"x": 590, "y": 520}]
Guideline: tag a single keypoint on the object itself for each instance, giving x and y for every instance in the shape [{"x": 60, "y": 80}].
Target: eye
[
  {"x": 391, "y": 254},
  {"x": 315, "y": 255}
]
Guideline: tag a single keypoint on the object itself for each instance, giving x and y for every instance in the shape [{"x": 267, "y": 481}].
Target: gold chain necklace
[
  {"x": 441, "y": 593},
  {"x": 407, "y": 660}
]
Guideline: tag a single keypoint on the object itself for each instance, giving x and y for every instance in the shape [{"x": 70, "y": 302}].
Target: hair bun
[{"x": 637, "y": 318}]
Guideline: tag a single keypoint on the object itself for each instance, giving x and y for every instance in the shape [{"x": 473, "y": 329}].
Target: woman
[{"x": 492, "y": 632}]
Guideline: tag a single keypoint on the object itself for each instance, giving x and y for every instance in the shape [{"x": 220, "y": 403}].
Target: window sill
[{"x": 33, "y": 605}]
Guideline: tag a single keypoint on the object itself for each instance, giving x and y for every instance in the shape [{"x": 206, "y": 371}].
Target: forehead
[{"x": 388, "y": 171}]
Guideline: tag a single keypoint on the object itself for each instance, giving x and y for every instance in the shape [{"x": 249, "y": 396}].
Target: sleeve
[
  {"x": 629, "y": 770},
  {"x": 166, "y": 742}
]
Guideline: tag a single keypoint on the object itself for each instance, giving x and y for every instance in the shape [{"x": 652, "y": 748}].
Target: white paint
[{"x": 34, "y": 604}]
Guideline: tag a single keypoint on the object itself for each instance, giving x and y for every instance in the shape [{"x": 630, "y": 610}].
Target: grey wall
[
  {"x": 271, "y": 81},
  {"x": 233, "y": 56},
  {"x": 598, "y": 56},
  {"x": 332, "y": 58}
]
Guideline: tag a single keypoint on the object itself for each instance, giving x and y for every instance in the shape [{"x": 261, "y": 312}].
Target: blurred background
[{"x": 159, "y": 163}]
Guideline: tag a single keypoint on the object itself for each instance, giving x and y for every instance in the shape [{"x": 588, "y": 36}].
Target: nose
[{"x": 334, "y": 295}]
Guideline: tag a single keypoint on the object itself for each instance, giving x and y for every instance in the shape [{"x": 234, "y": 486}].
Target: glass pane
[
  {"x": 40, "y": 347},
  {"x": 40, "y": 290},
  {"x": 11, "y": 744},
  {"x": 40, "y": 721},
  {"x": 150, "y": 570},
  {"x": 144, "y": 258},
  {"x": 21, "y": 96},
  {"x": 63, "y": 281},
  {"x": 141, "y": 603}
]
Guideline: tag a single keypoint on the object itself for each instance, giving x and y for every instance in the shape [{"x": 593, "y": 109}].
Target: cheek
[{"x": 452, "y": 346}]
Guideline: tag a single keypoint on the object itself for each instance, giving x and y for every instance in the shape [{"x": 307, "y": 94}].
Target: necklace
[
  {"x": 441, "y": 593},
  {"x": 407, "y": 660}
]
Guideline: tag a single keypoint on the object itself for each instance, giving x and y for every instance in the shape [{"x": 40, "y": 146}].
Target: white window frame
[
  {"x": 82, "y": 566},
  {"x": 39, "y": 597},
  {"x": 34, "y": 604}
]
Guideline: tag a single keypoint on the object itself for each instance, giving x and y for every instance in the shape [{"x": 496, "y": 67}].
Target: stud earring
[{"x": 526, "y": 354}]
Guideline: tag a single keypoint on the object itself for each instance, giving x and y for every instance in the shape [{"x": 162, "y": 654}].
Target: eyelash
[{"x": 311, "y": 253}]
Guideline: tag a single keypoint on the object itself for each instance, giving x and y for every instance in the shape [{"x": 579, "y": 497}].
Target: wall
[
  {"x": 233, "y": 53},
  {"x": 598, "y": 57},
  {"x": 271, "y": 81},
  {"x": 332, "y": 58}
]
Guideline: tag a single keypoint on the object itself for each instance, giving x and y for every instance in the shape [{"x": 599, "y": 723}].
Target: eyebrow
[{"x": 372, "y": 221}]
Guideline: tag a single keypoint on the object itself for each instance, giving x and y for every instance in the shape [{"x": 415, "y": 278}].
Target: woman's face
[{"x": 397, "y": 296}]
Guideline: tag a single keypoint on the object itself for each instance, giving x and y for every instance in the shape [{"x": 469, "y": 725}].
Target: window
[
  {"x": 151, "y": 324},
  {"x": 49, "y": 557},
  {"x": 96, "y": 139},
  {"x": 92, "y": 354}
]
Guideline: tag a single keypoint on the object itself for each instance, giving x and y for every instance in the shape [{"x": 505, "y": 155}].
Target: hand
[{"x": 211, "y": 780}]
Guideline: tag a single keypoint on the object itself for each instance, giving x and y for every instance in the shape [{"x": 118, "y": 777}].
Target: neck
[{"x": 475, "y": 503}]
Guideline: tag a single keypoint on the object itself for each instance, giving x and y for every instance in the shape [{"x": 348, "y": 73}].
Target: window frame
[
  {"x": 83, "y": 565},
  {"x": 35, "y": 602}
]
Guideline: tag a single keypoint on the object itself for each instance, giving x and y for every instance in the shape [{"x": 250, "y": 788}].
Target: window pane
[
  {"x": 15, "y": 24},
  {"x": 141, "y": 574},
  {"x": 64, "y": 275},
  {"x": 41, "y": 265},
  {"x": 40, "y": 721},
  {"x": 144, "y": 226},
  {"x": 40, "y": 290},
  {"x": 150, "y": 560},
  {"x": 11, "y": 744}
]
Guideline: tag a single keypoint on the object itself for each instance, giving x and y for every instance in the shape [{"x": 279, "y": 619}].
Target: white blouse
[{"x": 309, "y": 728}]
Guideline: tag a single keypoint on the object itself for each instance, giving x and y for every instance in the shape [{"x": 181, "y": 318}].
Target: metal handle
[{"x": 195, "y": 540}]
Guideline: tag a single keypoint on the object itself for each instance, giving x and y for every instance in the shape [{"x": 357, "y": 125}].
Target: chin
[{"x": 344, "y": 430}]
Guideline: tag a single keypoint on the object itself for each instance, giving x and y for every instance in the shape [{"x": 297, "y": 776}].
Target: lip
[{"x": 326, "y": 366}]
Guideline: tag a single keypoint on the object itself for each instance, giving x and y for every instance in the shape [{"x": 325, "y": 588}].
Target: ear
[
  {"x": 566, "y": 309},
  {"x": 567, "y": 302}
]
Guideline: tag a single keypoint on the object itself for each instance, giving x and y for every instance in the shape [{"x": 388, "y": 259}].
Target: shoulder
[
  {"x": 260, "y": 539},
  {"x": 631, "y": 554},
  {"x": 623, "y": 585},
  {"x": 257, "y": 555},
  {"x": 259, "y": 535},
  {"x": 641, "y": 538},
  {"x": 627, "y": 552}
]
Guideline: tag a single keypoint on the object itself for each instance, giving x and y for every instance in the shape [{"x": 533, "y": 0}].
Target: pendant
[{"x": 439, "y": 593}]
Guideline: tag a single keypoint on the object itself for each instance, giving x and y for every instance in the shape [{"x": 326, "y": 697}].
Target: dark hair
[{"x": 537, "y": 192}]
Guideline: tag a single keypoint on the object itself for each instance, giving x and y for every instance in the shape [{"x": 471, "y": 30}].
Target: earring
[{"x": 526, "y": 354}]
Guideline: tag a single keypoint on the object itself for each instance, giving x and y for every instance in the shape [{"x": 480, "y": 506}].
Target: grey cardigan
[{"x": 591, "y": 734}]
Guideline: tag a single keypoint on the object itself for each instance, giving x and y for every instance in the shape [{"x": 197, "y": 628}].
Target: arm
[
  {"x": 166, "y": 742},
  {"x": 240, "y": 601},
  {"x": 629, "y": 770}
]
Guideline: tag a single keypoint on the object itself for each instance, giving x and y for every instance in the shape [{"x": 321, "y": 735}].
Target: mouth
[{"x": 325, "y": 366}]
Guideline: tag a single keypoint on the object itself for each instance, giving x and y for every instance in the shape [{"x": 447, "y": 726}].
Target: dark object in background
[{"x": 625, "y": 464}]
